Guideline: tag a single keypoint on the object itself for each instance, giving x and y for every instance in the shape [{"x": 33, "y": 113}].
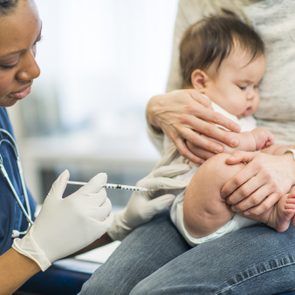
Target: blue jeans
[{"x": 154, "y": 259}]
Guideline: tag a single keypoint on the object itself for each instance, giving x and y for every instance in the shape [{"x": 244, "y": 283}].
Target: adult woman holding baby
[{"x": 154, "y": 259}]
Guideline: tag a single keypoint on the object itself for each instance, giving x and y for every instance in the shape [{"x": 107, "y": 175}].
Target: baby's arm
[{"x": 250, "y": 141}]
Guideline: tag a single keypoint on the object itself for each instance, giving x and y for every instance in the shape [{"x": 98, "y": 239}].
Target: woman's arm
[
  {"x": 15, "y": 270},
  {"x": 57, "y": 231}
]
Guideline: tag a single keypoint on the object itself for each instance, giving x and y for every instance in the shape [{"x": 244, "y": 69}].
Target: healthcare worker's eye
[{"x": 7, "y": 66}]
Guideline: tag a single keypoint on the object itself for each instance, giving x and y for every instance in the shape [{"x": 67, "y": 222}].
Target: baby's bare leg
[
  {"x": 204, "y": 209},
  {"x": 281, "y": 214}
]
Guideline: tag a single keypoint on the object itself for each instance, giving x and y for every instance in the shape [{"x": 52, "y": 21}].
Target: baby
[{"x": 224, "y": 59}]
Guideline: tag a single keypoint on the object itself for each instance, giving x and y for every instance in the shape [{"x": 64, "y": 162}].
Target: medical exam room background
[{"x": 101, "y": 61}]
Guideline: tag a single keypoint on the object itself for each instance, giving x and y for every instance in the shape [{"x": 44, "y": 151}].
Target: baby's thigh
[{"x": 215, "y": 172}]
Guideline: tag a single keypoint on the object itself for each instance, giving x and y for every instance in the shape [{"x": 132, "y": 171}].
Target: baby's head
[{"x": 224, "y": 58}]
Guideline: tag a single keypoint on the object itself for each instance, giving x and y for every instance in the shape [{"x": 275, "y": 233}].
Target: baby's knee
[
  {"x": 216, "y": 165},
  {"x": 218, "y": 170}
]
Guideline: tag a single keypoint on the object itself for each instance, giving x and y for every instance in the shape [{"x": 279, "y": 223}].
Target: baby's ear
[{"x": 199, "y": 79}]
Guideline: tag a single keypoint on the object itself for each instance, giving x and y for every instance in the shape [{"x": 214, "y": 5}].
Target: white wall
[{"x": 101, "y": 60}]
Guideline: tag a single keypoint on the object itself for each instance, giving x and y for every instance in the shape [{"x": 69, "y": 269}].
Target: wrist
[
  {"x": 15, "y": 270},
  {"x": 119, "y": 228},
  {"x": 29, "y": 264},
  {"x": 27, "y": 246}
]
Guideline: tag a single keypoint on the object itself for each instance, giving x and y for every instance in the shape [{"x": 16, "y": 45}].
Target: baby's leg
[
  {"x": 281, "y": 214},
  {"x": 204, "y": 209}
]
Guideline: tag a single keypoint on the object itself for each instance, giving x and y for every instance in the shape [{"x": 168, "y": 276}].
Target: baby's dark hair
[
  {"x": 6, "y": 6},
  {"x": 212, "y": 39}
]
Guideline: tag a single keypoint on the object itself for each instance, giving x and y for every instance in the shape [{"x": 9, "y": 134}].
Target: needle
[{"x": 115, "y": 186}]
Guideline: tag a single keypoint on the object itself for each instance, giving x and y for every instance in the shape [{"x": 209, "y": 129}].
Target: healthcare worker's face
[{"x": 20, "y": 30}]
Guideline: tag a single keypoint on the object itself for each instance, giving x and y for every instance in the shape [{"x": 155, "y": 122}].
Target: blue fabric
[
  {"x": 63, "y": 277},
  {"x": 11, "y": 216},
  {"x": 154, "y": 259}
]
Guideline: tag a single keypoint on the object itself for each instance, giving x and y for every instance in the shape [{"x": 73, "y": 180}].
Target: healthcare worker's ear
[{"x": 199, "y": 80}]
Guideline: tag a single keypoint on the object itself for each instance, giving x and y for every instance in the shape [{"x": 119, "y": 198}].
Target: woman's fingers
[
  {"x": 199, "y": 97},
  {"x": 183, "y": 149},
  {"x": 209, "y": 115},
  {"x": 201, "y": 153},
  {"x": 202, "y": 109},
  {"x": 240, "y": 157},
  {"x": 200, "y": 141},
  {"x": 187, "y": 153},
  {"x": 209, "y": 130},
  {"x": 236, "y": 182},
  {"x": 265, "y": 205},
  {"x": 255, "y": 198},
  {"x": 239, "y": 198},
  {"x": 187, "y": 118}
]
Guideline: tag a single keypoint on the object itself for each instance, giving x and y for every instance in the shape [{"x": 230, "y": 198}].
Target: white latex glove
[
  {"x": 143, "y": 206},
  {"x": 65, "y": 225}
]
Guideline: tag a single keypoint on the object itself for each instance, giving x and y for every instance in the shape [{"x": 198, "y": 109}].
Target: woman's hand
[
  {"x": 66, "y": 225},
  {"x": 143, "y": 206},
  {"x": 186, "y": 117},
  {"x": 260, "y": 184}
]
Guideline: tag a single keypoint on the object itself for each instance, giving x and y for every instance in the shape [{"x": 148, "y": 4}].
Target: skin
[
  {"x": 262, "y": 182},
  {"x": 17, "y": 268},
  {"x": 19, "y": 33},
  {"x": 233, "y": 85},
  {"x": 204, "y": 215},
  {"x": 237, "y": 79},
  {"x": 20, "y": 30},
  {"x": 185, "y": 116}
]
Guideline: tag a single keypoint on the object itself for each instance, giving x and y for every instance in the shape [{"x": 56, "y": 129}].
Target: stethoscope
[{"x": 9, "y": 140}]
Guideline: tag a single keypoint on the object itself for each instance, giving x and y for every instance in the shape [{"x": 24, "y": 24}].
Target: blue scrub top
[{"x": 11, "y": 216}]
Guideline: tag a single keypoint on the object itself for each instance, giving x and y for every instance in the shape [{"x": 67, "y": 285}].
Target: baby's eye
[{"x": 242, "y": 87}]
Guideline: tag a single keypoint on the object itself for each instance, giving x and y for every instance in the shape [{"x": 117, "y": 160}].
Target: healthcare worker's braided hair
[{"x": 6, "y": 6}]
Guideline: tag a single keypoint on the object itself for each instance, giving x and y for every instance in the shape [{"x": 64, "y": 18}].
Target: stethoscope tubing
[
  {"x": 11, "y": 142},
  {"x": 5, "y": 175}
]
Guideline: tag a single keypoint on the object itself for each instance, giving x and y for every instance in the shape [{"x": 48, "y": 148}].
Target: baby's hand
[{"x": 263, "y": 138}]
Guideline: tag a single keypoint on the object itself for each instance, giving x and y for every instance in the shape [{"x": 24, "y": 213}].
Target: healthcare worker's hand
[
  {"x": 143, "y": 206},
  {"x": 65, "y": 225}
]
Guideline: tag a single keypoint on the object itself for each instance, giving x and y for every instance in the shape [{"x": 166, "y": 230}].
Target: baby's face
[{"x": 235, "y": 86}]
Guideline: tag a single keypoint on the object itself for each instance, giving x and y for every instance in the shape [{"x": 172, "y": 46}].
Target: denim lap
[
  {"x": 253, "y": 260},
  {"x": 141, "y": 253},
  {"x": 154, "y": 259}
]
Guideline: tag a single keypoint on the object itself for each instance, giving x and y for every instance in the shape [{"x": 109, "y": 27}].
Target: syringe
[{"x": 115, "y": 186}]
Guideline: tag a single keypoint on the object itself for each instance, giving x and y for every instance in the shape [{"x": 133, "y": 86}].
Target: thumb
[
  {"x": 171, "y": 170},
  {"x": 159, "y": 183},
  {"x": 161, "y": 203},
  {"x": 95, "y": 184},
  {"x": 59, "y": 185}
]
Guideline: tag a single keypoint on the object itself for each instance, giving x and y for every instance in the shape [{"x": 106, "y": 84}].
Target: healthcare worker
[{"x": 64, "y": 225}]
